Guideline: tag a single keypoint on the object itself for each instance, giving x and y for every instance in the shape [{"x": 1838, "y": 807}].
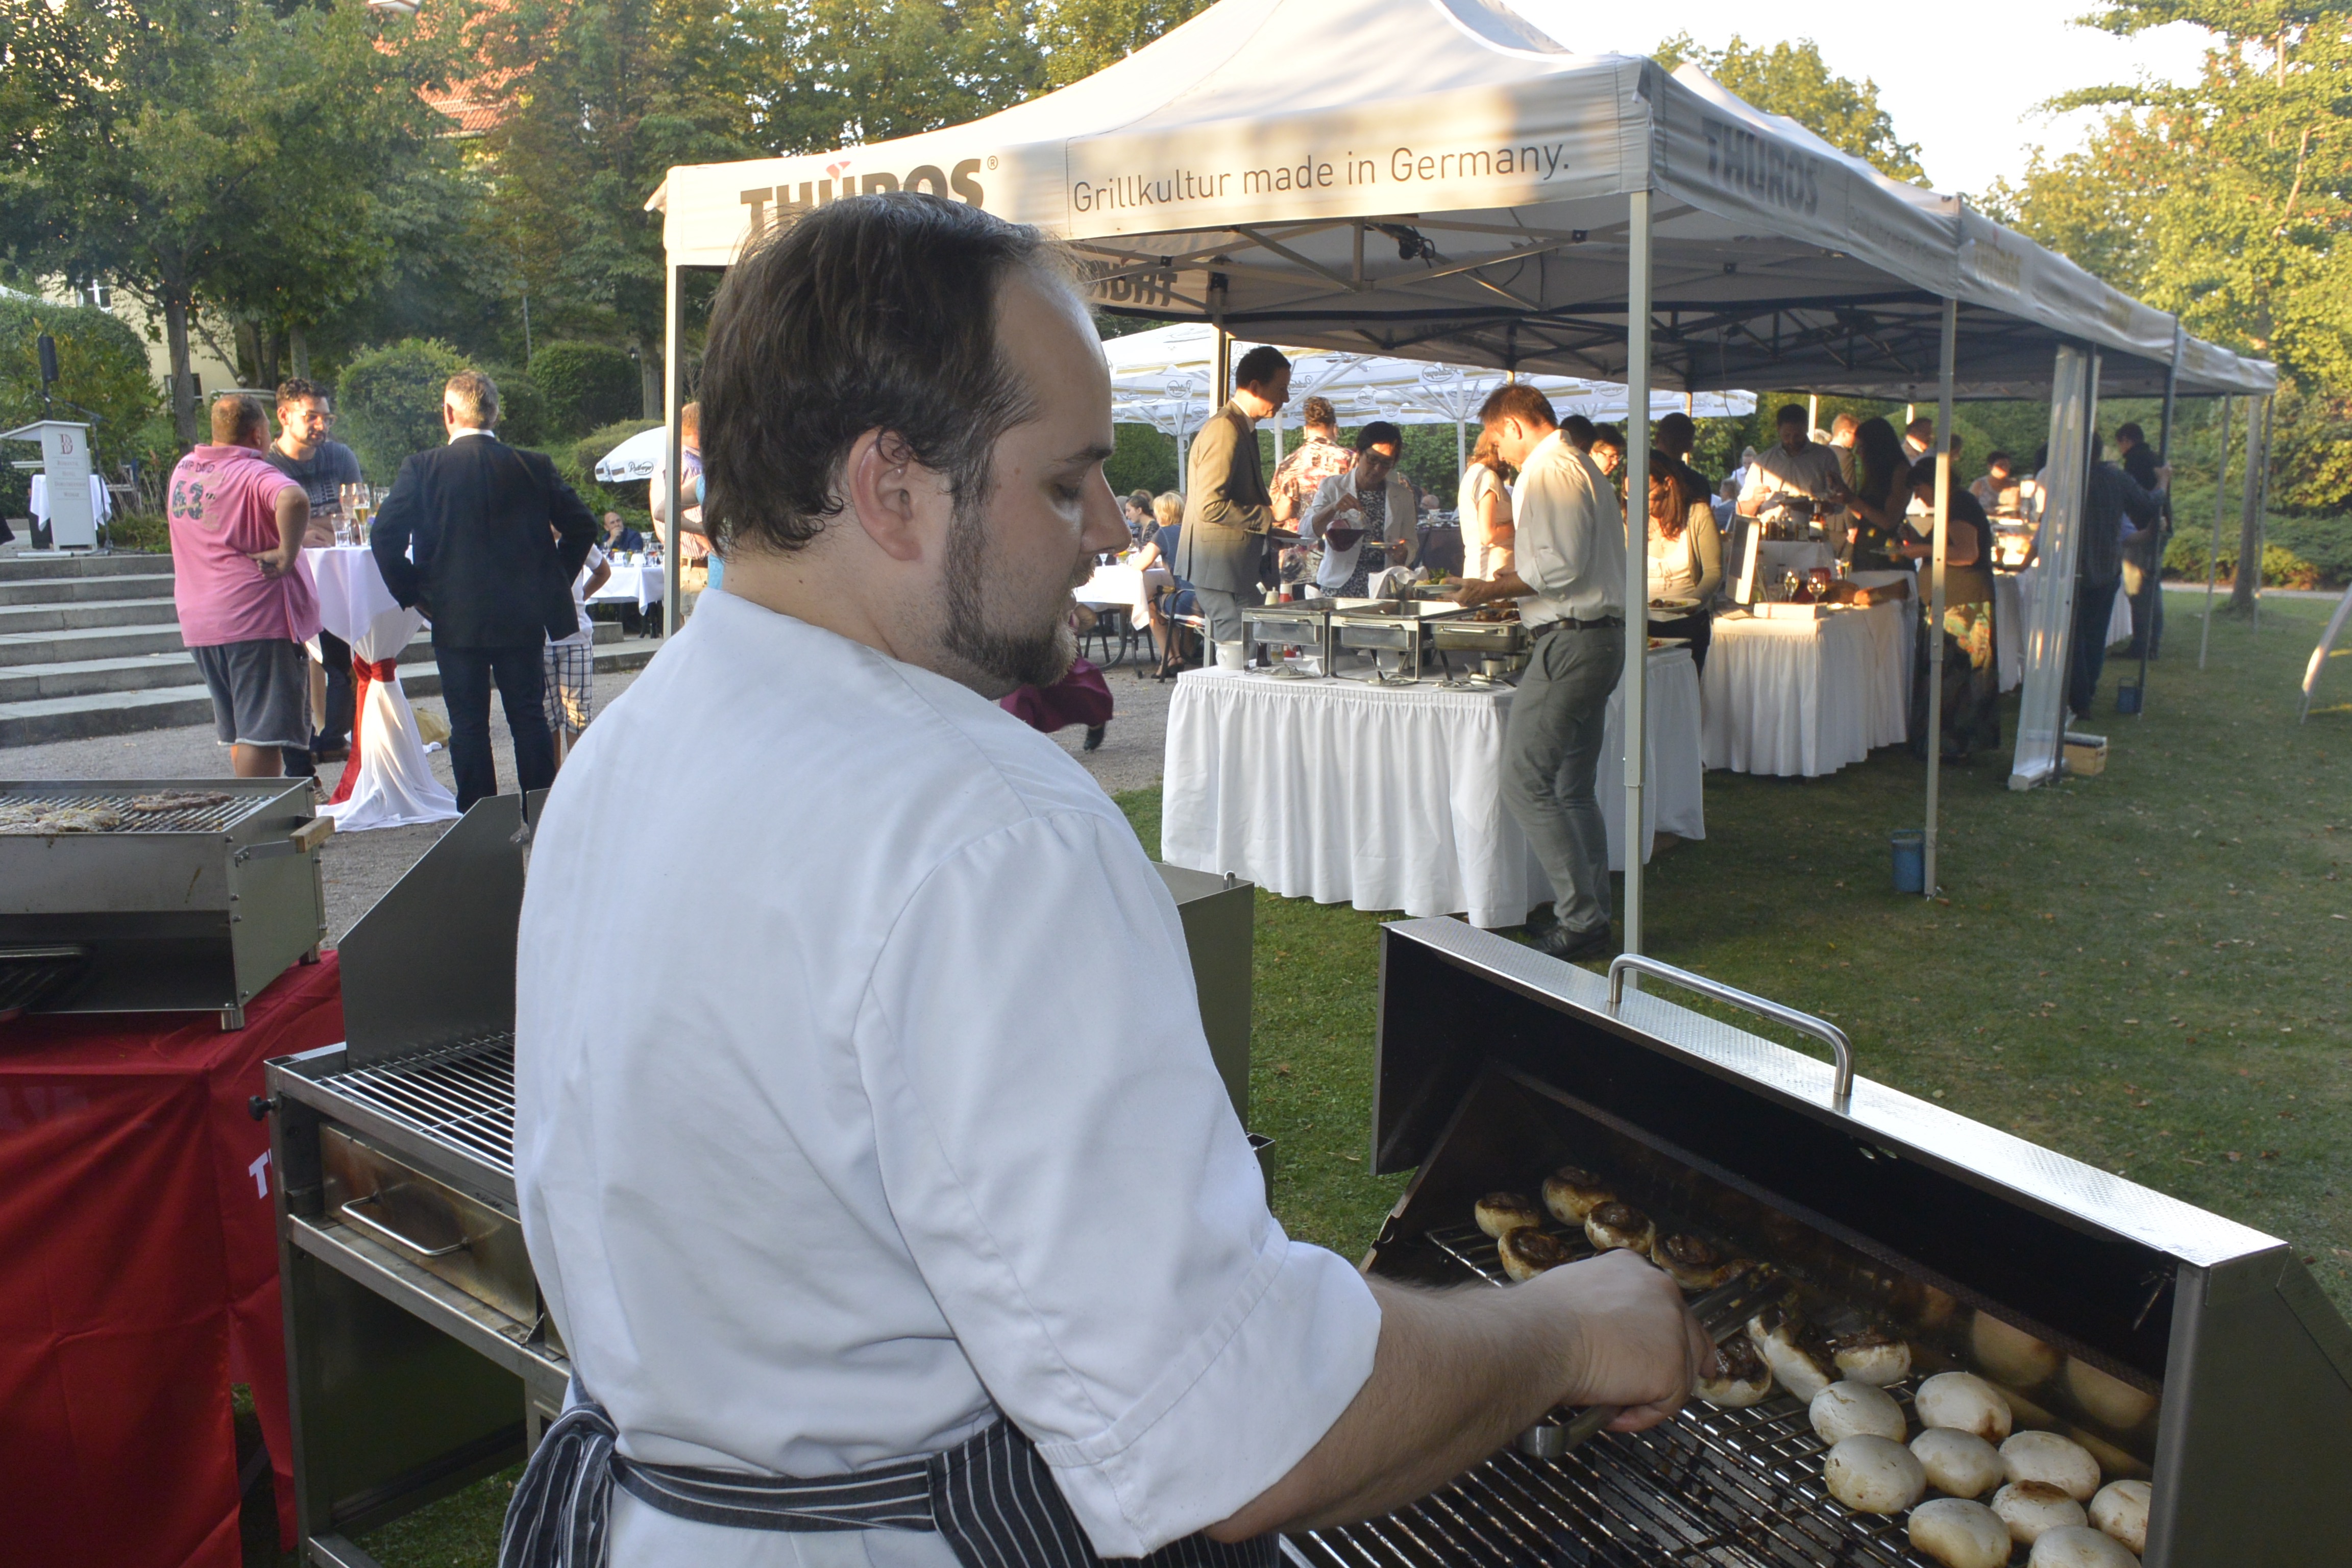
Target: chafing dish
[
  {"x": 193, "y": 903},
  {"x": 1402, "y": 624},
  {"x": 1495, "y": 1063},
  {"x": 1302, "y": 623}
]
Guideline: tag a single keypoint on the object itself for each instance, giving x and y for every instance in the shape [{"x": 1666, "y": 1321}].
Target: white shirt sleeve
[
  {"x": 1067, "y": 1172},
  {"x": 1325, "y": 503},
  {"x": 1555, "y": 512}
]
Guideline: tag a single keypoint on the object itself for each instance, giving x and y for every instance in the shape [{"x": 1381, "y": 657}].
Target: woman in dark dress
[
  {"x": 1882, "y": 494},
  {"x": 1972, "y": 677}
]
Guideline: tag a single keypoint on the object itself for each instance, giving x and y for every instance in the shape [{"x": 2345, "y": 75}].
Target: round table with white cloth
[
  {"x": 637, "y": 583},
  {"x": 2013, "y": 591},
  {"x": 388, "y": 782},
  {"x": 1391, "y": 797},
  {"x": 1803, "y": 698}
]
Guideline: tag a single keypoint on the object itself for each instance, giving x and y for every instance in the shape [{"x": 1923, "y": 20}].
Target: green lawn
[{"x": 2147, "y": 970}]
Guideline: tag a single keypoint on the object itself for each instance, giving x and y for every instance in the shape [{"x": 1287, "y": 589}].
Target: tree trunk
[
  {"x": 649, "y": 378},
  {"x": 269, "y": 344},
  {"x": 298, "y": 348},
  {"x": 183, "y": 390},
  {"x": 2249, "y": 577},
  {"x": 247, "y": 337}
]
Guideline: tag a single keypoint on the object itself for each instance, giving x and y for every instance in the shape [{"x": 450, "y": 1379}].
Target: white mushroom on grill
[
  {"x": 1874, "y": 1474},
  {"x": 1694, "y": 1263},
  {"x": 1778, "y": 1333},
  {"x": 1500, "y": 1212},
  {"x": 1964, "y": 1402},
  {"x": 1614, "y": 1226},
  {"x": 2031, "y": 1508},
  {"x": 1741, "y": 1377},
  {"x": 2009, "y": 1354},
  {"x": 2046, "y": 1456},
  {"x": 1526, "y": 1252},
  {"x": 2121, "y": 1510},
  {"x": 2109, "y": 1400},
  {"x": 2078, "y": 1546},
  {"x": 1851, "y": 1409},
  {"x": 1960, "y": 1534},
  {"x": 1960, "y": 1463},
  {"x": 1573, "y": 1192},
  {"x": 1872, "y": 1356}
]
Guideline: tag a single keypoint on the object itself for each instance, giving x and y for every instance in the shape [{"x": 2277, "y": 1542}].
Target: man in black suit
[{"x": 465, "y": 537}]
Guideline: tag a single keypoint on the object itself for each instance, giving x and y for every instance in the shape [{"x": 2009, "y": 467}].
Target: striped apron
[{"x": 990, "y": 1496}]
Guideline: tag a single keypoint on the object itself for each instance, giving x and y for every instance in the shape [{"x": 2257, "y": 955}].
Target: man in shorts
[
  {"x": 245, "y": 600},
  {"x": 572, "y": 660}
]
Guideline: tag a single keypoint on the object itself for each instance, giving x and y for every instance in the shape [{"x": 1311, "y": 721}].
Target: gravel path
[{"x": 359, "y": 866}]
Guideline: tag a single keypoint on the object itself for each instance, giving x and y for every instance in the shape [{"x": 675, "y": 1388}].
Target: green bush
[
  {"x": 102, "y": 366},
  {"x": 1143, "y": 458},
  {"x": 522, "y": 407},
  {"x": 576, "y": 460},
  {"x": 391, "y": 402},
  {"x": 587, "y": 385},
  {"x": 2297, "y": 553}
]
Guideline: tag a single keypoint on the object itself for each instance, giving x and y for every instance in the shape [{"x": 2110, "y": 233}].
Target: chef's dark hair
[
  {"x": 873, "y": 313},
  {"x": 1380, "y": 433},
  {"x": 1260, "y": 365},
  {"x": 1517, "y": 400}
]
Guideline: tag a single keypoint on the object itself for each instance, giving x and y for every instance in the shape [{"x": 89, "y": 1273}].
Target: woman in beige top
[
  {"x": 1686, "y": 553},
  {"x": 1483, "y": 503}
]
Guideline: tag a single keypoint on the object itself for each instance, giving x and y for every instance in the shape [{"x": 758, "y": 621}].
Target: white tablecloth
[
  {"x": 2013, "y": 591},
  {"x": 639, "y": 584},
  {"x": 1113, "y": 584},
  {"x": 1390, "y": 797},
  {"x": 1800, "y": 699},
  {"x": 395, "y": 786}
]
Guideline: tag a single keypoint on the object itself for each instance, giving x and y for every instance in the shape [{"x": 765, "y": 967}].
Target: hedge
[
  {"x": 587, "y": 386},
  {"x": 102, "y": 366},
  {"x": 2297, "y": 551},
  {"x": 389, "y": 402}
]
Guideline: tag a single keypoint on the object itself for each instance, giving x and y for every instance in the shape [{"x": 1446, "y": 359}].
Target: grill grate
[
  {"x": 213, "y": 818},
  {"x": 462, "y": 1095},
  {"x": 1723, "y": 1488}
]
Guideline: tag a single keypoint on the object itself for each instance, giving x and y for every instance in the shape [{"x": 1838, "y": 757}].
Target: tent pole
[
  {"x": 2152, "y": 585},
  {"x": 2242, "y": 587},
  {"x": 1934, "y": 630},
  {"x": 2262, "y": 507},
  {"x": 1813, "y": 412},
  {"x": 1634, "y": 685},
  {"x": 673, "y": 453},
  {"x": 2221, "y": 511}
]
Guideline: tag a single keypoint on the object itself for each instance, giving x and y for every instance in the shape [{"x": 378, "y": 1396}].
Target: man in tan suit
[{"x": 1228, "y": 515}]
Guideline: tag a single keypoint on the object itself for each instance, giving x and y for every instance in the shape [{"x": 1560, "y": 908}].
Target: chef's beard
[{"x": 1005, "y": 630}]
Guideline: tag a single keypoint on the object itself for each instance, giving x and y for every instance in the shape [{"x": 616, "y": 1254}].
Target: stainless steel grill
[
  {"x": 461, "y": 1095},
  {"x": 1497, "y": 1065},
  {"x": 194, "y": 907},
  {"x": 216, "y": 817}
]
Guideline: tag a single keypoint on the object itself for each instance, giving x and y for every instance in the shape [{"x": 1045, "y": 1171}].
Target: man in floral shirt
[{"x": 1303, "y": 471}]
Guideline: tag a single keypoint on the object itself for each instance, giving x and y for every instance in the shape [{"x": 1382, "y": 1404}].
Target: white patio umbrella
[{"x": 635, "y": 459}]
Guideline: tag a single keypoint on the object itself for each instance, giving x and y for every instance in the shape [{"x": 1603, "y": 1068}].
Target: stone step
[
  {"x": 86, "y": 590},
  {"x": 150, "y": 612},
  {"x": 92, "y": 642},
  {"x": 34, "y": 721},
  {"x": 25, "y": 565},
  {"x": 146, "y": 669}
]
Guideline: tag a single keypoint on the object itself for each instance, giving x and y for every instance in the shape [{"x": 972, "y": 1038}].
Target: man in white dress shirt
[
  {"x": 864, "y": 1220},
  {"x": 1568, "y": 575}
]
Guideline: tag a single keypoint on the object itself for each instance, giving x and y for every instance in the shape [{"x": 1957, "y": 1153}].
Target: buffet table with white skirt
[
  {"x": 637, "y": 583},
  {"x": 388, "y": 783},
  {"x": 2013, "y": 591},
  {"x": 1391, "y": 797},
  {"x": 1804, "y": 697}
]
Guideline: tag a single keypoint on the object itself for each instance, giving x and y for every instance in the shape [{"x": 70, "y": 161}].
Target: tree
[
  {"x": 1793, "y": 80},
  {"x": 227, "y": 155},
  {"x": 1079, "y": 37}
]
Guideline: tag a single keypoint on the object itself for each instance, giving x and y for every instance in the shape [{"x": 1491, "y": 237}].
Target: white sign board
[{"x": 65, "y": 463}]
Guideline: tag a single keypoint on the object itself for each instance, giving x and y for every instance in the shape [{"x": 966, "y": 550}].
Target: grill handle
[
  {"x": 351, "y": 1212},
  {"x": 1841, "y": 1086}
]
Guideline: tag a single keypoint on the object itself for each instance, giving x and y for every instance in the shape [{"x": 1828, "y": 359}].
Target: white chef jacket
[
  {"x": 1569, "y": 541},
  {"x": 907, "y": 1118}
]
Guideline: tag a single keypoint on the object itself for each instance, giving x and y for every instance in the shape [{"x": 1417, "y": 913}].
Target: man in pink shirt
[{"x": 245, "y": 603}]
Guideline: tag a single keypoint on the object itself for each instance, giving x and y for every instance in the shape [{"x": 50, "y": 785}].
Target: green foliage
[
  {"x": 1080, "y": 38},
  {"x": 866, "y": 70},
  {"x": 102, "y": 366},
  {"x": 2297, "y": 551},
  {"x": 229, "y": 155},
  {"x": 1145, "y": 459},
  {"x": 585, "y": 386},
  {"x": 391, "y": 402},
  {"x": 522, "y": 407},
  {"x": 576, "y": 461},
  {"x": 1792, "y": 80}
]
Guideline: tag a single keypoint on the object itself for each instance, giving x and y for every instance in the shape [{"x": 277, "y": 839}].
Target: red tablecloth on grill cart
[{"x": 138, "y": 1277}]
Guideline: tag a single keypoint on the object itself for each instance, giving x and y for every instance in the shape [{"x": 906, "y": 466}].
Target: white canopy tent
[
  {"x": 1471, "y": 191},
  {"x": 1166, "y": 377}
]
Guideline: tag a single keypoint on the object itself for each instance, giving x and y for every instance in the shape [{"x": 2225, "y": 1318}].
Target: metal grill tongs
[{"x": 1722, "y": 1312}]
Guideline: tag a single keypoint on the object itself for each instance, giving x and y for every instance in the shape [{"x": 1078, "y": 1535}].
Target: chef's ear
[{"x": 893, "y": 496}]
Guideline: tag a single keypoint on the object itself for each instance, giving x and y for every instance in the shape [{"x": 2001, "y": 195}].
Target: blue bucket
[{"x": 1910, "y": 845}]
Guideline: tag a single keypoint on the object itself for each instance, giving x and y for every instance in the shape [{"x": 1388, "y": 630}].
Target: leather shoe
[{"x": 1572, "y": 946}]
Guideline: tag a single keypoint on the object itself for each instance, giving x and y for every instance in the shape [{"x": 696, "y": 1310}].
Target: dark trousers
[
  {"x": 2095, "y": 605},
  {"x": 521, "y": 676},
  {"x": 1551, "y": 753},
  {"x": 337, "y": 655}
]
